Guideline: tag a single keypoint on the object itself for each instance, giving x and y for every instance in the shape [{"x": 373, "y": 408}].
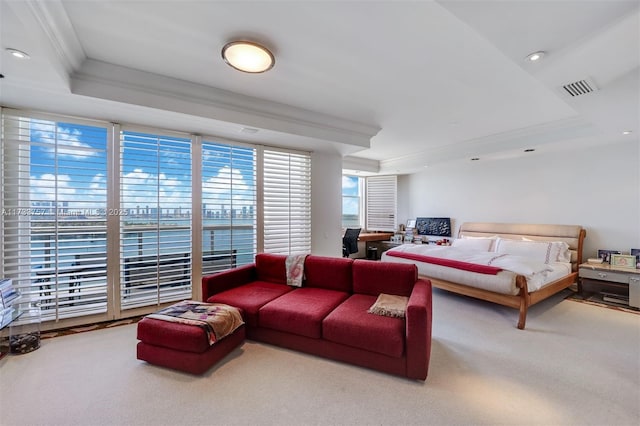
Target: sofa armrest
[
  {"x": 225, "y": 280},
  {"x": 418, "y": 323}
]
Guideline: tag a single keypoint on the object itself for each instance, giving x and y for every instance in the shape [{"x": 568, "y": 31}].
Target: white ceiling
[{"x": 395, "y": 85}]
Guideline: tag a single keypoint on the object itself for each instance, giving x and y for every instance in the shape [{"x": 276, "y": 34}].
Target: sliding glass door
[
  {"x": 101, "y": 221},
  {"x": 54, "y": 208},
  {"x": 155, "y": 219}
]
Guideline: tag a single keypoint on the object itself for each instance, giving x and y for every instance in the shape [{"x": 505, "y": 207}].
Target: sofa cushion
[
  {"x": 271, "y": 268},
  {"x": 350, "y": 324},
  {"x": 373, "y": 278},
  {"x": 300, "y": 311},
  {"x": 333, "y": 273},
  {"x": 250, "y": 298}
]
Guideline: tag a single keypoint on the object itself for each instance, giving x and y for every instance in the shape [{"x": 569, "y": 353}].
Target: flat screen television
[{"x": 434, "y": 226}]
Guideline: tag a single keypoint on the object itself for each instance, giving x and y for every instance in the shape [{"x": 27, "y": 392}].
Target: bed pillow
[
  {"x": 476, "y": 244},
  {"x": 547, "y": 252},
  {"x": 565, "y": 251},
  {"x": 492, "y": 238}
]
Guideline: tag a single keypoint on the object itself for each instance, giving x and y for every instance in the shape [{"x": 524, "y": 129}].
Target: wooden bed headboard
[{"x": 570, "y": 234}]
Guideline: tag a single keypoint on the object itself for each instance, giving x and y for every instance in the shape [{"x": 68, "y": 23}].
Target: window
[
  {"x": 381, "y": 203},
  {"x": 54, "y": 202},
  {"x": 155, "y": 219},
  {"x": 287, "y": 202},
  {"x": 98, "y": 219},
  {"x": 229, "y": 210},
  {"x": 351, "y": 202}
]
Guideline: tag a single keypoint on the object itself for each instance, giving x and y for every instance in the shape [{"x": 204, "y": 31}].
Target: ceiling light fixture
[
  {"x": 529, "y": 150},
  {"x": 627, "y": 132},
  {"x": 475, "y": 158},
  {"x": 536, "y": 56},
  {"x": 18, "y": 53},
  {"x": 248, "y": 57}
]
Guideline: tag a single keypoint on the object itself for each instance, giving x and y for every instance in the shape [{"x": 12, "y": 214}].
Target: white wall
[
  {"x": 596, "y": 187},
  {"x": 326, "y": 204}
]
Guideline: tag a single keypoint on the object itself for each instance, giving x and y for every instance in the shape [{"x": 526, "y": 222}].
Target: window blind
[
  {"x": 381, "y": 199},
  {"x": 155, "y": 219},
  {"x": 54, "y": 212},
  {"x": 228, "y": 206},
  {"x": 287, "y": 202}
]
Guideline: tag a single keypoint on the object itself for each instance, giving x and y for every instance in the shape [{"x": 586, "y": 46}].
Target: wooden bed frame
[{"x": 572, "y": 234}]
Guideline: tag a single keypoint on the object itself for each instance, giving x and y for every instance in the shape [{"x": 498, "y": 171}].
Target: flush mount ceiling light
[
  {"x": 627, "y": 132},
  {"x": 536, "y": 56},
  {"x": 18, "y": 53},
  {"x": 248, "y": 57}
]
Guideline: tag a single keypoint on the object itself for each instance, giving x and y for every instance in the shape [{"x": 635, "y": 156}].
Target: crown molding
[
  {"x": 113, "y": 82},
  {"x": 52, "y": 18}
]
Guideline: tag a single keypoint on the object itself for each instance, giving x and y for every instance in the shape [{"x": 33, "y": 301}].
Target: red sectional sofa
[{"x": 328, "y": 315}]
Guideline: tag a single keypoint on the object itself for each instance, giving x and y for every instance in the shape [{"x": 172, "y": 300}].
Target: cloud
[
  {"x": 216, "y": 191},
  {"x": 350, "y": 205},
  {"x": 67, "y": 140},
  {"x": 141, "y": 189},
  {"x": 45, "y": 187},
  {"x": 77, "y": 196},
  {"x": 349, "y": 182}
]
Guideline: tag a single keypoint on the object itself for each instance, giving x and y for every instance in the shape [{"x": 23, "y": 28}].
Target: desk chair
[{"x": 350, "y": 241}]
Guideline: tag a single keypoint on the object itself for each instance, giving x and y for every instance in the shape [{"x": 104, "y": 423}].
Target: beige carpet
[{"x": 574, "y": 364}]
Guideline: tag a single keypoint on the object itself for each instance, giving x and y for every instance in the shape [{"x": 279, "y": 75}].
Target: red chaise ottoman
[{"x": 181, "y": 343}]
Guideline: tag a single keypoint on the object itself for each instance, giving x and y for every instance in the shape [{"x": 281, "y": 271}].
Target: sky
[
  {"x": 150, "y": 176},
  {"x": 350, "y": 191}
]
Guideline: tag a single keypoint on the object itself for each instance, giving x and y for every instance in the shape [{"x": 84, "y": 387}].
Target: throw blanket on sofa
[
  {"x": 294, "y": 265},
  {"x": 216, "y": 319}
]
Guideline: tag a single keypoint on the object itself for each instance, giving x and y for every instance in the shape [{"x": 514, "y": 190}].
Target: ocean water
[{"x": 80, "y": 248}]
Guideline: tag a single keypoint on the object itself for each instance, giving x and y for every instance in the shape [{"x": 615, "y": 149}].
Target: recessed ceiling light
[
  {"x": 249, "y": 130},
  {"x": 18, "y": 53},
  {"x": 627, "y": 132},
  {"x": 248, "y": 57},
  {"x": 536, "y": 56}
]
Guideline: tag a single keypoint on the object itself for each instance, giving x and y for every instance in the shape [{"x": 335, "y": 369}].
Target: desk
[
  {"x": 365, "y": 238},
  {"x": 375, "y": 236}
]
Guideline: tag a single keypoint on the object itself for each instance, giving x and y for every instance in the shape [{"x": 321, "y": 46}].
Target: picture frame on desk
[
  {"x": 623, "y": 261},
  {"x": 605, "y": 255},
  {"x": 636, "y": 253}
]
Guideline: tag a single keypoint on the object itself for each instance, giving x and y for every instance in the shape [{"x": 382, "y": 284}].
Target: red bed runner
[{"x": 472, "y": 267}]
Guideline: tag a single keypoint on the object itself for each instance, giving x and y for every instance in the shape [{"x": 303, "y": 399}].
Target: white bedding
[{"x": 537, "y": 273}]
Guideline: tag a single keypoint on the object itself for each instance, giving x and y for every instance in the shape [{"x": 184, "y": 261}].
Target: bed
[{"x": 515, "y": 265}]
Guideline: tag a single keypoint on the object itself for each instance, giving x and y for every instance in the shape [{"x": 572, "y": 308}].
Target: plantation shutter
[
  {"x": 228, "y": 206},
  {"x": 155, "y": 219},
  {"x": 381, "y": 199},
  {"x": 53, "y": 225},
  {"x": 287, "y": 202}
]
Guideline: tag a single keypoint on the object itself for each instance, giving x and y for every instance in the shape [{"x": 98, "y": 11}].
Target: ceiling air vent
[{"x": 581, "y": 87}]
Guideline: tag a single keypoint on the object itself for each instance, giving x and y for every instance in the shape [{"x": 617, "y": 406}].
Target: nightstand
[{"x": 599, "y": 277}]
